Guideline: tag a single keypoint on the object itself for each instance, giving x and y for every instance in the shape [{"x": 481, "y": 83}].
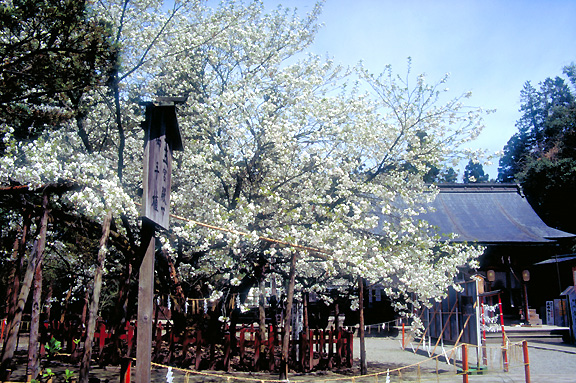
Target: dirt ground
[{"x": 548, "y": 363}]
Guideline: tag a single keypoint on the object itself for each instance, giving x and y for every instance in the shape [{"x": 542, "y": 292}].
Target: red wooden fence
[{"x": 242, "y": 350}]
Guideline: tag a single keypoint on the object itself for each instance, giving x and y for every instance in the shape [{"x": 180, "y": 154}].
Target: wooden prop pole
[{"x": 288, "y": 320}]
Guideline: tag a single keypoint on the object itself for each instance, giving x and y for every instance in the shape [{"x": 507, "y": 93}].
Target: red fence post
[
  {"x": 101, "y": 335},
  {"x": 339, "y": 347},
  {"x": 526, "y": 361},
  {"x": 125, "y": 368},
  {"x": 330, "y": 347},
  {"x": 321, "y": 346},
  {"x": 271, "y": 343},
  {"x": 465, "y": 363},
  {"x": 2, "y": 333},
  {"x": 241, "y": 344},
  {"x": 350, "y": 359},
  {"x": 257, "y": 351}
]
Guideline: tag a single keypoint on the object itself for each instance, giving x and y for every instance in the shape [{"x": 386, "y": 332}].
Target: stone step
[{"x": 536, "y": 332}]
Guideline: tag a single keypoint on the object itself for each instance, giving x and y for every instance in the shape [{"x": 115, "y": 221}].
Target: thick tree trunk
[
  {"x": 180, "y": 300},
  {"x": 363, "y": 365},
  {"x": 93, "y": 311},
  {"x": 48, "y": 302},
  {"x": 19, "y": 252},
  {"x": 336, "y": 316},
  {"x": 288, "y": 320},
  {"x": 119, "y": 125},
  {"x": 14, "y": 324},
  {"x": 33, "y": 368},
  {"x": 66, "y": 302},
  {"x": 305, "y": 300},
  {"x": 262, "y": 310}
]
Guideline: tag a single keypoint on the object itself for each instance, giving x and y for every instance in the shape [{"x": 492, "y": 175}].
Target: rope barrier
[{"x": 244, "y": 234}]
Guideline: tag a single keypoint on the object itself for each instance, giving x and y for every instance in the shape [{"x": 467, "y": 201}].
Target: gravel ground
[{"x": 549, "y": 362}]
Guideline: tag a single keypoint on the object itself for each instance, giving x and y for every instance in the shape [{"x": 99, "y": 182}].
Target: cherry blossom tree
[{"x": 284, "y": 151}]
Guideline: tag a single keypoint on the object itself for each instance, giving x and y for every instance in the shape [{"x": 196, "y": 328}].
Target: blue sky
[{"x": 489, "y": 47}]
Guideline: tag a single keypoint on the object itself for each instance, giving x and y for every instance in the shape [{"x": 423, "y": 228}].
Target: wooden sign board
[
  {"x": 157, "y": 181},
  {"x": 162, "y": 137},
  {"x": 550, "y": 313}
]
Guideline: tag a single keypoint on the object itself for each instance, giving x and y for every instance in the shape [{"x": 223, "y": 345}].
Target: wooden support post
[
  {"x": 330, "y": 347},
  {"x": 363, "y": 363},
  {"x": 321, "y": 345},
  {"x": 145, "y": 306},
  {"x": 227, "y": 347},
  {"x": 339, "y": 347},
  {"x": 33, "y": 367},
  {"x": 257, "y": 342},
  {"x": 350, "y": 349},
  {"x": 310, "y": 349},
  {"x": 423, "y": 339},
  {"x": 403, "y": 335},
  {"x": 504, "y": 342},
  {"x": 162, "y": 137},
  {"x": 303, "y": 352},
  {"x": 525, "y": 303},
  {"x": 35, "y": 258},
  {"x": 241, "y": 344},
  {"x": 271, "y": 343},
  {"x": 459, "y": 336},
  {"x": 158, "y": 341},
  {"x": 443, "y": 328},
  {"x": 288, "y": 319},
  {"x": 198, "y": 355},
  {"x": 93, "y": 310}
]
